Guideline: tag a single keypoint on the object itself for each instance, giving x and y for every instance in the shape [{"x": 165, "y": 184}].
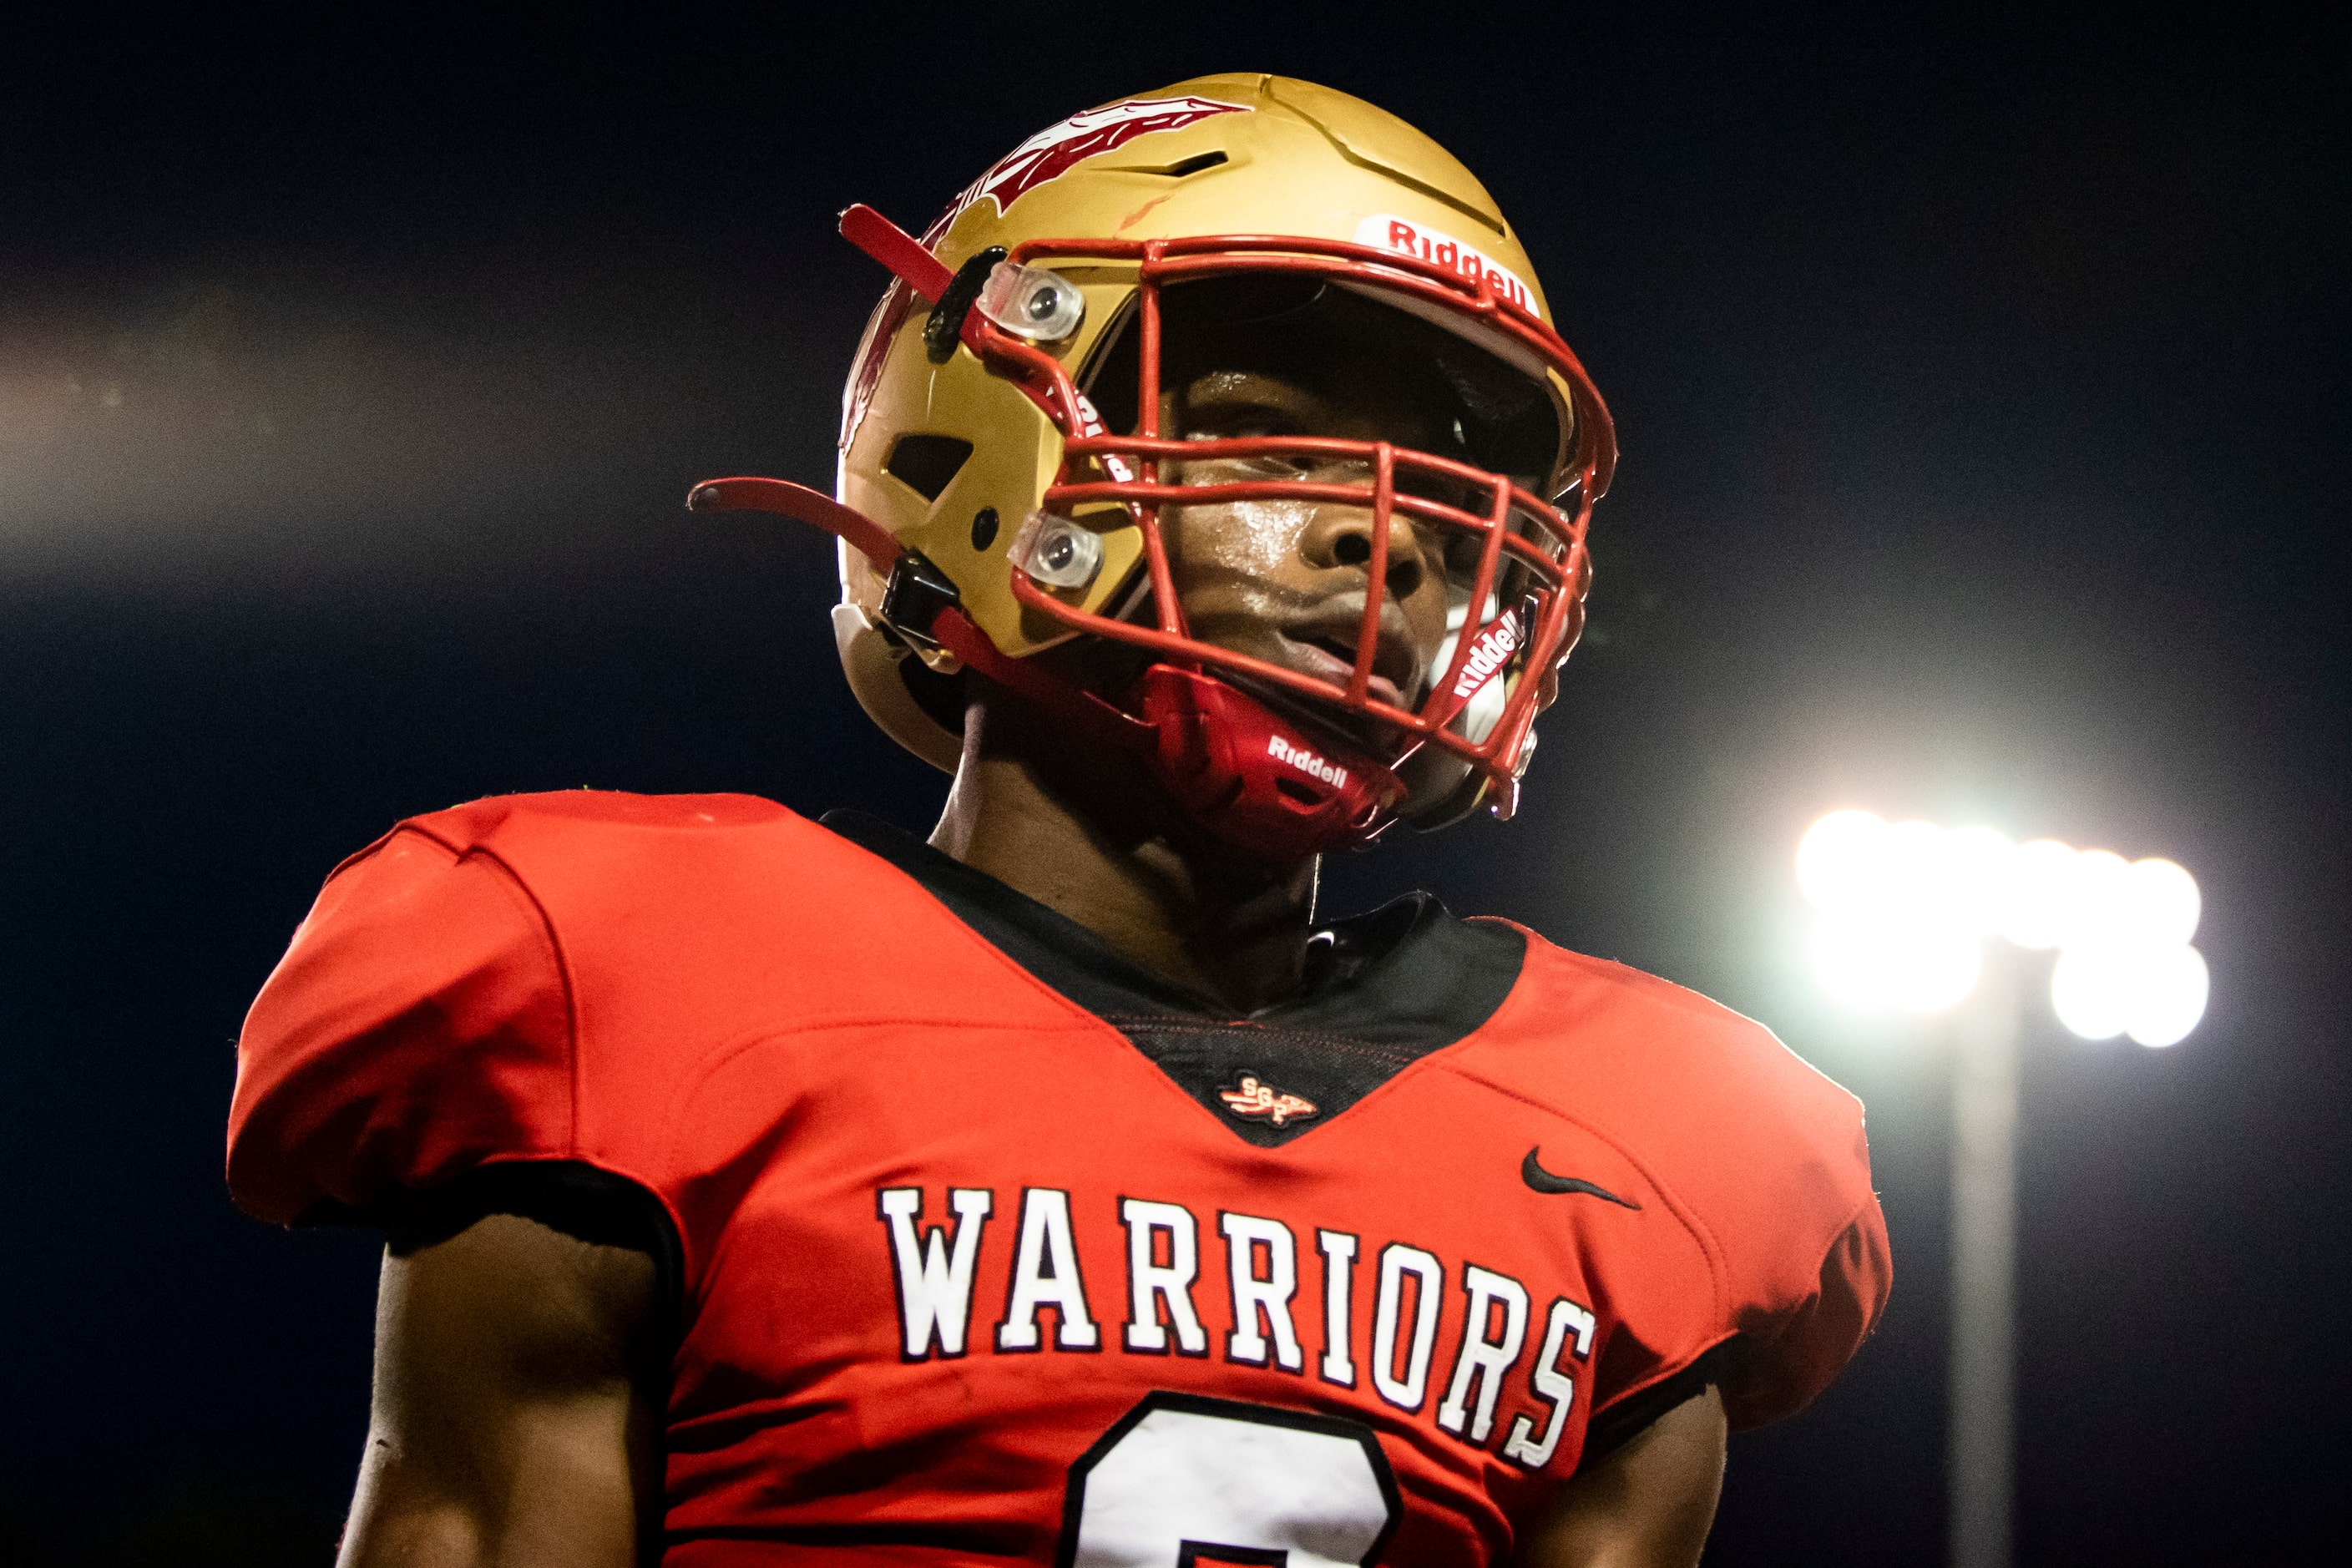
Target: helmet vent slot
[
  {"x": 927, "y": 464},
  {"x": 1194, "y": 164},
  {"x": 1180, "y": 168}
]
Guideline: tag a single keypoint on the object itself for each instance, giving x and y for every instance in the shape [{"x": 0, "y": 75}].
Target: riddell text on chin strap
[
  {"x": 1254, "y": 782},
  {"x": 1248, "y": 778}
]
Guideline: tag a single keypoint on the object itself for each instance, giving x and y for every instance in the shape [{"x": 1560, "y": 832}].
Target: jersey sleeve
[
  {"x": 1790, "y": 1350},
  {"x": 418, "y": 1028}
]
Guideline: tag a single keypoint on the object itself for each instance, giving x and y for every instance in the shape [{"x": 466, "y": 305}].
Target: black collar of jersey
[{"x": 1382, "y": 990}]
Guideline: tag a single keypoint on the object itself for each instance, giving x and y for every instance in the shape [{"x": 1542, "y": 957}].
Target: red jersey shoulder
[
  {"x": 610, "y": 840},
  {"x": 1761, "y": 1155},
  {"x": 1655, "y": 1057},
  {"x": 523, "y": 977},
  {"x": 588, "y": 812},
  {"x": 724, "y": 912},
  {"x": 418, "y": 1018}
]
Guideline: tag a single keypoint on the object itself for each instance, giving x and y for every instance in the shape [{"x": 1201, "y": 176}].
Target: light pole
[
  {"x": 1906, "y": 910},
  {"x": 1979, "y": 1377}
]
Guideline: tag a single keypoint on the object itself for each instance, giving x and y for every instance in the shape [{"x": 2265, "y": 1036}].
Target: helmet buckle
[
  {"x": 917, "y": 593},
  {"x": 943, "y": 329}
]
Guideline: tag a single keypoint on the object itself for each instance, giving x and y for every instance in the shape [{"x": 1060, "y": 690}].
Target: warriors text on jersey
[{"x": 986, "y": 1244}]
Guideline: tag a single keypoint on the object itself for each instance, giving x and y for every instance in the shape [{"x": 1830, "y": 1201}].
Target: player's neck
[{"x": 1085, "y": 835}]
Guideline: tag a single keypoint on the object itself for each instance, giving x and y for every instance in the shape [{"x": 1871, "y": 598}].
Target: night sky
[{"x": 1979, "y": 382}]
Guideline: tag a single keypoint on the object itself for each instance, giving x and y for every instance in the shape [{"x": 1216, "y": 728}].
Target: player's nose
[{"x": 1341, "y": 536}]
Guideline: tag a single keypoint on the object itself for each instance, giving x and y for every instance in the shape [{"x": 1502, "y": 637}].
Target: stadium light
[{"x": 1907, "y": 910}]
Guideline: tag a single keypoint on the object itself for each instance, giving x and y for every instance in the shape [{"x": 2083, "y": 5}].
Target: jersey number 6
[{"x": 1182, "y": 1481}]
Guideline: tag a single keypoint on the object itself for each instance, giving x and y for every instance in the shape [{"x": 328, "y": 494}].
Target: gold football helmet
[{"x": 1002, "y": 465}]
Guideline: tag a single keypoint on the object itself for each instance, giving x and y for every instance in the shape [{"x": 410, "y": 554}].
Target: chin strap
[{"x": 1245, "y": 776}]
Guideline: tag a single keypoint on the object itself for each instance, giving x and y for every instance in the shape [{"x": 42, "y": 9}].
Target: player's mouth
[{"x": 1324, "y": 647}]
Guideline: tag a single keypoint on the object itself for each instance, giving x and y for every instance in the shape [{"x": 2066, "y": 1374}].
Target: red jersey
[{"x": 990, "y": 1245}]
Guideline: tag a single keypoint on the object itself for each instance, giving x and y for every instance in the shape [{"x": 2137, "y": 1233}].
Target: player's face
[{"x": 1284, "y": 580}]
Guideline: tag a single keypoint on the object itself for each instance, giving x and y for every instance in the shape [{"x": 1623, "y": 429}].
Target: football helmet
[{"x": 1005, "y": 472}]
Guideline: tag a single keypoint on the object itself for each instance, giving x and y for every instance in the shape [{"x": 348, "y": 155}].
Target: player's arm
[
  {"x": 517, "y": 1405},
  {"x": 1647, "y": 1505}
]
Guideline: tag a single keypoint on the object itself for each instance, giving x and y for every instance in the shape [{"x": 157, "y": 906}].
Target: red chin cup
[{"x": 1251, "y": 781}]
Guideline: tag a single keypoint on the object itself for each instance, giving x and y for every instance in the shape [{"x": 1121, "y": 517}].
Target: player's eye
[
  {"x": 1233, "y": 418},
  {"x": 1284, "y": 464},
  {"x": 1247, "y": 422},
  {"x": 1443, "y": 489}
]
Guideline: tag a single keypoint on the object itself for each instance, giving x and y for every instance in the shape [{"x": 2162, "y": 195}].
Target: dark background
[{"x": 1979, "y": 382}]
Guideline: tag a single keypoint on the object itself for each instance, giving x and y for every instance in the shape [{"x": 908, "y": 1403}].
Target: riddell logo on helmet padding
[
  {"x": 1305, "y": 761},
  {"x": 1390, "y": 232},
  {"x": 1494, "y": 646}
]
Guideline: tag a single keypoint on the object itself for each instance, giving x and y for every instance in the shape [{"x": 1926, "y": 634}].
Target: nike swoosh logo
[{"x": 1532, "y": 1172}]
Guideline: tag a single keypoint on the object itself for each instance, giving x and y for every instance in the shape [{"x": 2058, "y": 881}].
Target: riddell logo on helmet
[
  {"x": 1497, "y": 643},
  {"x": 1305, "y": 761},
  {"x": 1390, "y": 232}
]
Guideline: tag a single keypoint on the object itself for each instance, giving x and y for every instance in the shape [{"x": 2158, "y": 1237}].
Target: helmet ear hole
[{"x": 927, "y": 464}]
